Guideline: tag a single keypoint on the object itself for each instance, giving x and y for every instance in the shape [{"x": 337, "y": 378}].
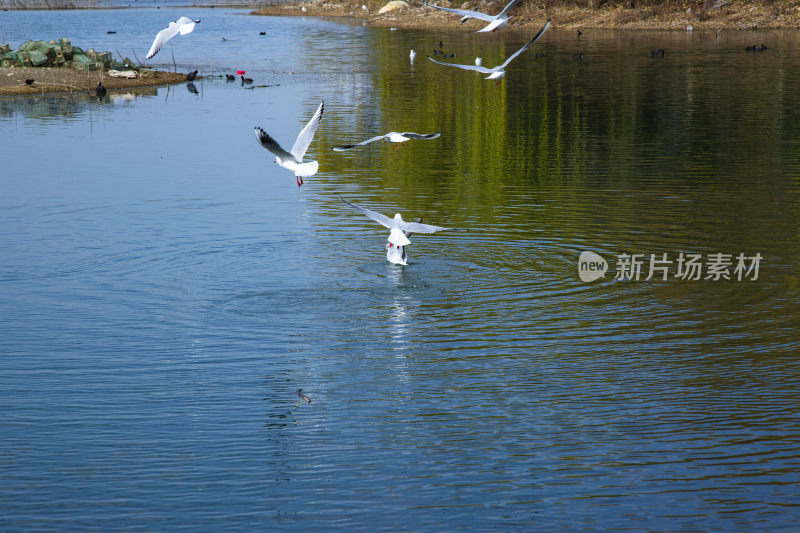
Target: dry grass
[{"x": 614, "y": 14}]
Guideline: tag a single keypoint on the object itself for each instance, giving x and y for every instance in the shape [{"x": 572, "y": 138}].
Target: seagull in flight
[
  {"x": 392, "y": 136},
  {"x": 399, "y": 232},
  {"x": 293, "y": 159},
  {"x": 498, "y": 72},
  {"x": 183, "y": 25},
  {"x": 465, "y": 18},
  {"x": 495, "y": 21}
]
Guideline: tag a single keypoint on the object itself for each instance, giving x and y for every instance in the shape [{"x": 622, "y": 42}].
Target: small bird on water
[
  {"x": 100, "y": 91},
  {"x": 246, "y": 80},
  {"x": 191, "y": 76},
  {"x": 303, "y": 396}
]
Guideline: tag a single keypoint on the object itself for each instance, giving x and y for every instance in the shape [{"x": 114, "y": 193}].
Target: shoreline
[
  {"x": 50, "y": 80},
  {"x": 701, "y": 16}
]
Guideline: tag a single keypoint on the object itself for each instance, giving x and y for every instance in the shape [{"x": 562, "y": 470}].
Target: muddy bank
[
  {"x": 52, "y": 80},
  {"x": 712, "y": 15}
]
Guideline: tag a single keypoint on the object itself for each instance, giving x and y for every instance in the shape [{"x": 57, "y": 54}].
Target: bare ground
[
  {"x": 50, "y": 80},
  {"x": 706, "y": 15}
]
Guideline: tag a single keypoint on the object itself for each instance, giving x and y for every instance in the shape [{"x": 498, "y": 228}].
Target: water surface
[{"x": 165, "y": 289}]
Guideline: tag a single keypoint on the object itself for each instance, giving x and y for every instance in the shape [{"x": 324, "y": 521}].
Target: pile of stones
[{"x": 61, "y": 53}]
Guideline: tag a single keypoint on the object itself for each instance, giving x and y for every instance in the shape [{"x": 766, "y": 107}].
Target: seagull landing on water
[
  {"x": 183, "y": 25},
  {"x": 293, "y": 160},
  {"x": 495, "y": 21},
  {"x": 392, "y": 136},
  {"x": 498, "y": 72},
  {"x": 399, "y": 232}
]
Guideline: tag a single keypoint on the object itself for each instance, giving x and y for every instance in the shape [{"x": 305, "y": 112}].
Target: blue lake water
[{"x": 165, "y": 288}]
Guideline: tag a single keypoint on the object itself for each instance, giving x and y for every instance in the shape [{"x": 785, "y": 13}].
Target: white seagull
[
  {"x": 293, "y": 160},
  {"x": 496, "y": 73},
  {"x": 467, "y": 17},
  {"x": 412, "y": 55},
  {"x": 399, "y": 232},
  {"x": 495, "y": 21},
  {"x": 183, "y": 25},
  {"x": 392, "y": 136}
]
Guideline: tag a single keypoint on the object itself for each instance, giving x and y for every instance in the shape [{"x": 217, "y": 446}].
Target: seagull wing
[
  {"x": 416, "y": 227},
  {"x": 163, "y": 36},
  {"x": 493, "y": 25},
  {"x": 476, "y": 68},
  {"x": 526, "y": 45},
  {"x": 466, "y": 13},
  {"x": 186, "y": 25},
  {"x": 346, "y": 147},
  {"x": 272, "y": 145},
  {"x": 374, "y": 215},
  {"x": 508, "y": 8},
  {"x": 307, "y": 134},
  {"x": 413, "y": 135}
]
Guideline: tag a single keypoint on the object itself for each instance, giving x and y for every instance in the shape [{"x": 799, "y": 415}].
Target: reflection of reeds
[{"x": 48, "y": 4}]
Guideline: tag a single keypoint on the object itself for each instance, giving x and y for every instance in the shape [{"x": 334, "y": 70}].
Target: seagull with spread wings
[
  {"x": 498, "y": 72},
  {"x": 293, "y": 159},
  {"x": 183, "y": 25},
  {"x": 495, "y": 21},
  {"x": 392, "y": 136},
  {"x": 399, "y": 232}
]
